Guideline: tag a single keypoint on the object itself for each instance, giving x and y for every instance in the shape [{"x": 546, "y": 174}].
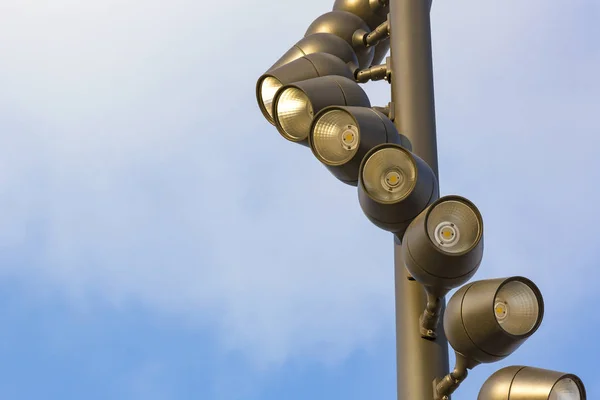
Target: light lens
[
  {"x": 294, "y": 113},
  {"x": 268, "y": 88},
  {"x": 516, "y": 308},
  {"x": 389, "y": 175},
  {"x": 446, "y": 234},
  {"x": 335, "y": 137},
  {"x": 565, "y": 389},
  {"x": 454, "y": 226},
  {"x": 500, "y": 310}
]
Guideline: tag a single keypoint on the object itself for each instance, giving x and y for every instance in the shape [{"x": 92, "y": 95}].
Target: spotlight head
[
  {"x": 443, "y": 247},
  {"x": 341, "y": 136},
  {"x": 486, "y": 321},
  {"x": 320, "y": 43},
  {"x": 394, "y": 186},
  {"x": 306, "y": 67},
  {"x": 529, "y": 383},
  {"x": 344, "y": 25},
  {"x": 373, "y": 12},
  {"x": 295, "y": 105}
]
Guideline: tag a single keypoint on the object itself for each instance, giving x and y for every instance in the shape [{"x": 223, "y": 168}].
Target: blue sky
[{"x": 159, "y": 240}]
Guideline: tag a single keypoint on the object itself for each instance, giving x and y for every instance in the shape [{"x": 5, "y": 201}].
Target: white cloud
[{"x": 136, "y": 167}]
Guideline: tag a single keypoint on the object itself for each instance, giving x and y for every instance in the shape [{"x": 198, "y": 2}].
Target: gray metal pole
[{"x": 419, "y": 361}]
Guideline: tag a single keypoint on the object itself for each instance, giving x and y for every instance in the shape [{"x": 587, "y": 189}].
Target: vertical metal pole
[
  {"x": 419, "y": 361},
  {"x": 412, "y": 76}
]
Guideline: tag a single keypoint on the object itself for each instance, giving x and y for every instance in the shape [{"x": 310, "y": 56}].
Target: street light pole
[
  {"x": 313, "y": 97},
  {"x": 419, "y": 360},
  {"x": 412, "y": 76}
]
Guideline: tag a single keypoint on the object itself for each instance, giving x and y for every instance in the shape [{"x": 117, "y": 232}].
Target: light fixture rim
[
  {"x": 575, "y": 379},
  {"x": 261, "y": 105},
  {"x": 507, "y": 376},
  {"x": 372, "y": 152},
  {"x": 277, "y": 124},
  {"x": 472, "y": 206},
  {"x": 539, "y": 297},
  {"x": 313, "y": 125}
]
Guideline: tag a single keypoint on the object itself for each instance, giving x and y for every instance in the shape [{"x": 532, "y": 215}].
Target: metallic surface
[
  {"x": 524, "y": 383},
  {"x": 471, "y": 325},
  {"x": 436, "y": 269},
  {"x": 447, "y": 385},
  {"x": 386, "y": 111},
  {"x": 382, "y": 32},
  {"x": 320, "y": 43},
  {"x": 380, "y": 38},
  {"x": 374, "y": 129},
  {"x": 373, "y": 12},
  {"x": 381, "y": 51},
  {"x": 323, "y": 92},
  {"x": 375, "y": 73},
  {"x": 395, "y": 217},
  {"x": 307, "y": 67},
  {"x": 344, "y": 25},
  {"x": 419, "y": 361},
  {"x": 412, "y": 76}
]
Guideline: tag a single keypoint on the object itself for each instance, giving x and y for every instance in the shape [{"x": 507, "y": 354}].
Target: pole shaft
[
  {"x": 419, "y": 361},
  {"x": 412, "y": 76}
]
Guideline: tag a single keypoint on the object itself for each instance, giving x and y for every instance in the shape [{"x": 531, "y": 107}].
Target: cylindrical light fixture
[
  {"x": 529, "y": 383},
  {"x": 320, "y": 43},
  {"x": 394, "y": 187},
  {"x": 373, "y": 12},
  {"x": 345, "y": 25},
  {"x": 443, "y": 247},
  {"x": 295, "y": 105},
  {"x": 306, "y": 67},
  {"x": 485, "y": 321},
  {"x": 341, "y": 136}
]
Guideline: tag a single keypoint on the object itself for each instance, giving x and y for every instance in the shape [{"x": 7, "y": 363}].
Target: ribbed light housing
[
  {"x": 389, "y": 175},
  {"x": 516, "y": 308},
  {"x": 335, "y": 138},
  {"x": 454, "y": 226},
  {"x": 295, "y": 114}
]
